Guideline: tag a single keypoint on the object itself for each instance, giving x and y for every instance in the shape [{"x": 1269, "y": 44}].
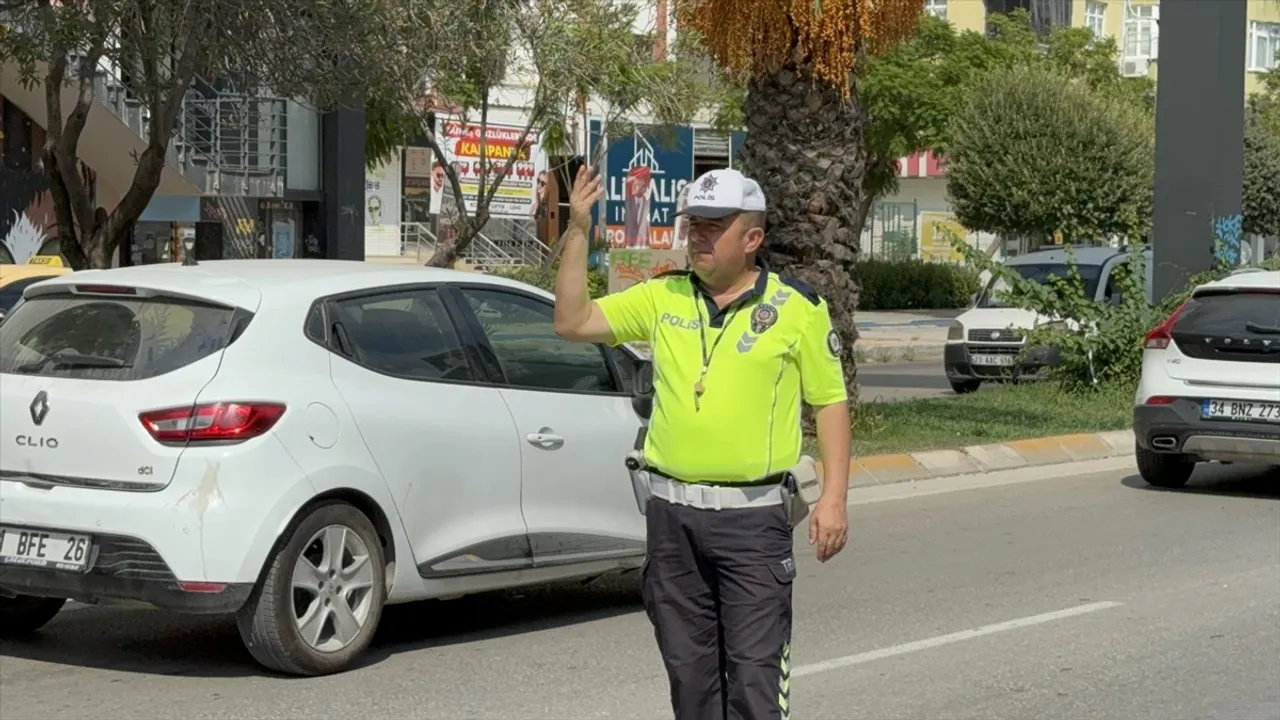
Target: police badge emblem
[
  {"x": 833, "y": 343},
  {"x": 763, "y": 318}
]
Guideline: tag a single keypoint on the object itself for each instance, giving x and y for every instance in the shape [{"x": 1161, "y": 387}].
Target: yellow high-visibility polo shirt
[{"x": 768, "y": 350}]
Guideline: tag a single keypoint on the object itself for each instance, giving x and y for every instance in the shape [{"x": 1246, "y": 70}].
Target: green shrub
[
  {"x": 597, "y": 282},
  {"x": 1036, "y": 152},
  {"x": 914, "y": 285}
]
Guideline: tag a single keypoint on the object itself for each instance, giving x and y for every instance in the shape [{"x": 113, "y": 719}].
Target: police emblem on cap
[
  {"x": 709, "y": 183},
  {"x": 763, "y": 318},
  {"x": 833, "y": 343}
]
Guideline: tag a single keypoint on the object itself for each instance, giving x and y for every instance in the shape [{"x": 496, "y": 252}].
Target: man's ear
[{"x": 755, "y": 238}]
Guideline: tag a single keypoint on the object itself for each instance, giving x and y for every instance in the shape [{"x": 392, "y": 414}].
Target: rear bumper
[
  {"x": 1177, "y": 428},
  {"x": 124, "y": 568},
  {"x": 957, "y": 360},
  {"x": 216, "y": 522}
]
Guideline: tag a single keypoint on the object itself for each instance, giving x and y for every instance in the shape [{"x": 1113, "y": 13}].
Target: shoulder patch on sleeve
[
  {"x": 808, "y": 291},
  {"x": 671, "y": 273}
]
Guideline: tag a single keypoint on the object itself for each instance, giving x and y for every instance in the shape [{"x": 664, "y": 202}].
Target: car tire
[
  {"x": 1164, "y": 470},
  {"x": 23, "y": 615},
  {"x": 965, "y": 386},
  {"x": 269, "y": 622}
]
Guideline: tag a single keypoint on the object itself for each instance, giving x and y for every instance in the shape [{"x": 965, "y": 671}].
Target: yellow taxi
[{"x": 15, "y": 278}]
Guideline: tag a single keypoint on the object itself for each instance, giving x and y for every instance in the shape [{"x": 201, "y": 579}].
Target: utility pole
[{"x": 1199, "y": 172}]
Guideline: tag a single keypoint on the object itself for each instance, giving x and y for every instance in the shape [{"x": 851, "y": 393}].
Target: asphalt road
[
  {"x": 1028, "y": 594},
  {"x": 883, "y": 382}
]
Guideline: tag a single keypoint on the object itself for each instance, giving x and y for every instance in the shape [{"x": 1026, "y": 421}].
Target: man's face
[{"x": 719, "y": 247}]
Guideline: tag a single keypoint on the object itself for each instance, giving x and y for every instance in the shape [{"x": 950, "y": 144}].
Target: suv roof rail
[{"x": 1242, "y": 270}]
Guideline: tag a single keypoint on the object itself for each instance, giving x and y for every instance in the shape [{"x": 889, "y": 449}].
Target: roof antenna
[{"x": 189, "y": 250}]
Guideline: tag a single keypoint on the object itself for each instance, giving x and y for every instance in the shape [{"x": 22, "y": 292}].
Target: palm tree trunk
[{"x": 804, "y": 147}]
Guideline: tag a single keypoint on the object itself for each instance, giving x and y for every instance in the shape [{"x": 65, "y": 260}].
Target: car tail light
[
  {"x": 1159, "y": 400},
  {"x": 212, "y": 422},
  {"x": 1160, "y": 337}
]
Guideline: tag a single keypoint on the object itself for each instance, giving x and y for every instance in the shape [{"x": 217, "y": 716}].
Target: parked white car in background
[
  {"x": 301, "y": 442},
  {"x": 1210, "y": 387},
  {"x": 984, "y": 342}
]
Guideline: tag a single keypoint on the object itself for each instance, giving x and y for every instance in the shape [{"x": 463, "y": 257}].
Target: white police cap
[{"x": 720, "y": 193}]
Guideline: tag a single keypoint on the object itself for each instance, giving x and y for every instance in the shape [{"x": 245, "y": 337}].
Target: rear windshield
[
  {"x": 105, "y": 338},
  {"x": 1235, "y": 313}
]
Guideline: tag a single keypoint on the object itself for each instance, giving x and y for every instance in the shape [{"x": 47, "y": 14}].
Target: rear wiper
[
  {"x": 1262, "y": 329},
  {"x": 71, "y": 360}
]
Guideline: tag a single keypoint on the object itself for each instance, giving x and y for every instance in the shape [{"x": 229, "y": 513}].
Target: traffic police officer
[{"x": 736, "y": 348}]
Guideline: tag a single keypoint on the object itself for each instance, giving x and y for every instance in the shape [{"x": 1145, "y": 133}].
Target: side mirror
[{"x": 642, "y": 390}]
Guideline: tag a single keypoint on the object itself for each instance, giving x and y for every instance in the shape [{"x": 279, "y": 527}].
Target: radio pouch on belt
[
  {"x": 800, "y": 485},
  {"x": 639, "y": 471}
]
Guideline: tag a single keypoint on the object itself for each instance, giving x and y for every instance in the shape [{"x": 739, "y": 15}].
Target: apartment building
[{"x": 1134, "y": 24}]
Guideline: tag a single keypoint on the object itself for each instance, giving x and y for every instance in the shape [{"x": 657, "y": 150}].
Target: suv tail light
[
  {"x": 212, "y": 422},
  {"x": 1160, "y": 337}
]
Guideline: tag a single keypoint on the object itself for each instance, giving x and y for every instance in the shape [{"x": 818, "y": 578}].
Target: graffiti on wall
[
  {"x": 628, "y": 267},
  {"x": 1228, "y": 240},
  {"x": 27, "y": 219},
  {"x": 26, "y": 213}
]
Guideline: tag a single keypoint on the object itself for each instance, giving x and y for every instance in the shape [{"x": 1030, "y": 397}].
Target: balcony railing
[
  {"x": 418, "y": 241},
  {"x": 227, "y": 143}
]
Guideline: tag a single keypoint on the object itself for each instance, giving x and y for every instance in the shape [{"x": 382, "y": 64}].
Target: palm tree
[{"x": 805, "y": 126}]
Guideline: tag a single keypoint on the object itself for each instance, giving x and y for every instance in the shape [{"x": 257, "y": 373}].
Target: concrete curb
[
  {"x": 886, "y": 351},
  {"x": 872, "y": 470}
]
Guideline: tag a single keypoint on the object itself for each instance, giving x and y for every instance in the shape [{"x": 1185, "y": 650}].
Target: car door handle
[{"x": 544, "y": 438}]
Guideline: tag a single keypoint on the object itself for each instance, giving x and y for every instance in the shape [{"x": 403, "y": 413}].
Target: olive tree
[{"x": 552, "y": 58}]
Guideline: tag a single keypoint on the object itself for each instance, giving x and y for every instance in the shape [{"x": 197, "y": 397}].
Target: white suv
[
  {"x": 1210, "y": 387},
  {"x": 300, "y": 442}
]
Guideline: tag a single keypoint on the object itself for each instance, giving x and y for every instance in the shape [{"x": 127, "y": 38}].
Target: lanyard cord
[{"x": 699, "y": 387}]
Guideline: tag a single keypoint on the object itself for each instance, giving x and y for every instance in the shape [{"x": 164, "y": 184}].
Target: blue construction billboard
[{"x": 644, "y": 172}]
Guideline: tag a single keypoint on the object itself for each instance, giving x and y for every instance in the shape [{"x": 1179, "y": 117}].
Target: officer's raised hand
[
  {"x": 588, "y": 186},
  {"x": 577, "y": 318}
]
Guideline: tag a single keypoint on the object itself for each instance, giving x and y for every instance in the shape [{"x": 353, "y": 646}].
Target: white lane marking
[
  {"x": 939, "y": 641},
  {"x": 976, "y": 481}
]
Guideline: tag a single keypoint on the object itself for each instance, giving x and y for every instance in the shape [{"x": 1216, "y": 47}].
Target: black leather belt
[{"x": 774, "y": 479}]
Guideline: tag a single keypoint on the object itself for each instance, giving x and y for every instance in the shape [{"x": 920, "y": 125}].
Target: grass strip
[{"x": 990, "y": 415}]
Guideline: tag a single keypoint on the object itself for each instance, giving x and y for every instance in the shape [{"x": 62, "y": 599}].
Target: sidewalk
[{"x": 903, "y": 335}]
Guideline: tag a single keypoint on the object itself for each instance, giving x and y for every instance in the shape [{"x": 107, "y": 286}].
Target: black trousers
[{"x": 717, "y": 588}]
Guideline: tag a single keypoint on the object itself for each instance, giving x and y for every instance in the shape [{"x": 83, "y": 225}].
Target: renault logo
[{"x": 39, "y": 407}]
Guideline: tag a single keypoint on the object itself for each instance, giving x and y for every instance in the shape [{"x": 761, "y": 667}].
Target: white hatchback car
[
  {"x": 1210, "y": 387},
  {"x": 301, "y": 442}
]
